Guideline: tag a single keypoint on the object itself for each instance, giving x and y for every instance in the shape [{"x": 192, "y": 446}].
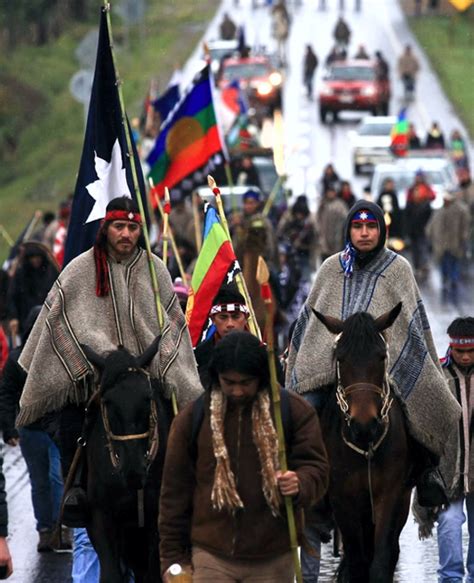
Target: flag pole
[
  {"x": 174, "y": 247},
  {"x": 197, "y": 222},
  {"x": 272, "y": 195},
  {"x": 263, "y": 277},
  {"x": 128, "y": 138},
  {"x": 239, "y": 277},
  {"x": 166, "y": 225}
]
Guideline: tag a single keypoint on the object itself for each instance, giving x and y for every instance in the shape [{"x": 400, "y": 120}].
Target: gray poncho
[
  {"x": 58, "y": 371},
  {"x": 414, "y": 367}
]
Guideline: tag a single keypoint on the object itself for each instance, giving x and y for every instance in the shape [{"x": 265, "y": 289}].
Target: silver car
[{"x": 371, "y": 142}]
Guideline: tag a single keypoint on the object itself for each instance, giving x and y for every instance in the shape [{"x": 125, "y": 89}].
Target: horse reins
[
  {"x": 384, "y": 392},
  {"x": 151, "y": 435}
]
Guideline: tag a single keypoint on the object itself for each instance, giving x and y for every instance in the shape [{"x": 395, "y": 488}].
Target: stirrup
[{"x": 75, "y": 508}]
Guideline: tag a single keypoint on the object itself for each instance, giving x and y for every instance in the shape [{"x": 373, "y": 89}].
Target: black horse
[
  {"x": 368, "y": 446},
  {"x": 128, "y": 424}
]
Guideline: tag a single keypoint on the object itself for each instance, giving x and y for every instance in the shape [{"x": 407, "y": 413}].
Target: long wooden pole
[
  {"x": 272, "y": 196},
  {"x": 197, "y": 222},
  {"x": 239, "y": 278},
  {"x": 136, "y": 188},
  {"x": 166, "y": 225},
  {"x": 263, "y": 279}
]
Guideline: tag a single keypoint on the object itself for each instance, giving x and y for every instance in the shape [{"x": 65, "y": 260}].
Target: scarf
[{"x": 224, "y": 490}]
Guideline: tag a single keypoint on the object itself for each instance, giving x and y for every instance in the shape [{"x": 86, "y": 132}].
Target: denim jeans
[
  {"x": 450, "y": 521},
  {"x": 310, "y": 565},
  {"x": 44, "y": 467},
  {"x": 450, "y": 272},
  {"x": 85, "y": 562}
]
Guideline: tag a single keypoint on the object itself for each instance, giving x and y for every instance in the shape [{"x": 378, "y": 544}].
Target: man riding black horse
[{"x": 103, "y": 299}]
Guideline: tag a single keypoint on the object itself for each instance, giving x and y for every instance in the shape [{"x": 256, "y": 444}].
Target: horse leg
[
  {"x": 354, "y": 553},
  {"x": 104, "y": 537},
  {"x": 390, "y": 518}
]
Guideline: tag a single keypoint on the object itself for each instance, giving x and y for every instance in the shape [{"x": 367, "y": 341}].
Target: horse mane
[
  {"x": 360, "y": 340},
  {"x": 117, "y": 363}
]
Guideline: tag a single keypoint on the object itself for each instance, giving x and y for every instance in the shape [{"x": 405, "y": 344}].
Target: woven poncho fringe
[
  {"x": 416, "y": 375},
  {"x": 58, "y": 370}
]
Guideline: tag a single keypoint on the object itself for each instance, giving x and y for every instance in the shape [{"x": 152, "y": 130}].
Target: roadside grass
[
  {"x": 449, "y": 44},
  {"x": 47, "y": 124}
]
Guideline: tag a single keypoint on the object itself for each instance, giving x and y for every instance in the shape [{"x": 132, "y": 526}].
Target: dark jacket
[
  {"x": 417, "y": 216},
  {"x": 187, "y": 517}
]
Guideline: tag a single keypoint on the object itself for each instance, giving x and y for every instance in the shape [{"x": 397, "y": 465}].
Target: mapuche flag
[
  {"x": 399, "y": 135},
  {"x": 105, "y": 171},
  {"x": 189, "y": 145},
  {"x": 215, "y": 261}
]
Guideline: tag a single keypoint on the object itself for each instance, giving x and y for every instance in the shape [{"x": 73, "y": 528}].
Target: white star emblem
[
  {"x": 364, "y": 216},
  {"x": 111, "y": 183},
  {"x": 130, "y": 216}
]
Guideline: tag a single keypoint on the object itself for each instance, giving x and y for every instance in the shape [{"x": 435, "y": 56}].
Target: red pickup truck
[{"x": 353, "y": 86}]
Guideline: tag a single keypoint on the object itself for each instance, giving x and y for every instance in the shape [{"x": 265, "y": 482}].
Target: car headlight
[
  {"x": 264, "y": 89},
  {"x": 368, "y": 91},
  {"x": 275, "y": 79},
  {"x": 326, "y": 90}
]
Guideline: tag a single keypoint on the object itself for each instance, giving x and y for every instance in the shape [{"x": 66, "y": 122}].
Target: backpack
[{"x": 198, "y": 416}]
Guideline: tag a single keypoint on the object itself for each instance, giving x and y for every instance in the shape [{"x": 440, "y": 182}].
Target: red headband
[
  {"x": 461, "y": 342},
  {"x": 123, "y": 216}
]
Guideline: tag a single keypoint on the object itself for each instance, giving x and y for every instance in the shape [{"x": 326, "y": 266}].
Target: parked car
[
  {"x": 440, "y": 174},
  {"x": 353, "y": 86},
  {"x": 257, "y": 76},
  {"x": 371, "y": 142}
]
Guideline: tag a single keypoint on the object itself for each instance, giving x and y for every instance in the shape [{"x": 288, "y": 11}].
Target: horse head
[
  {"x": 128, "y": 411},
  {"x": 361, "y": 353}
]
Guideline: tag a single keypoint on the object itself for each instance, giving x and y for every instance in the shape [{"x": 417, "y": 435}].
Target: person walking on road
[
  {"x": 342, "y": 33},
  {"x": 310, "y": 65},
  {"x": 418, "y": 213},
  {"x": 448, "y": 231},
  {"x": 457, "y": 464},
  {"x": 228, "y": 28},
  {"x": 221, "y": 509},
  {"x": 408, "y": 67}
]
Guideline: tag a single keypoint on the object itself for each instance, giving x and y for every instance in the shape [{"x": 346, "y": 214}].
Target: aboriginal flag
[
  {"x": 105, "y": 170},
  {"x": 189, "y": 145}
]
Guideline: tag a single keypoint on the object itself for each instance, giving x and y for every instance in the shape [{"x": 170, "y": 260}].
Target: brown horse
[{"x": 368, "y": 446}]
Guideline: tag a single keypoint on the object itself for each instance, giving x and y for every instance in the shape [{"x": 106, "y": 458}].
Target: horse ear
[
  {"x": 386, "y": 320},
  {"x": 93, "y": 357},
  {"x": 334, "y": 325},
  {"x": 145, "y": 359}
]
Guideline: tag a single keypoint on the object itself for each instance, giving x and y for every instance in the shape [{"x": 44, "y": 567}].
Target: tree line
[{"x": 39, "y": 21}]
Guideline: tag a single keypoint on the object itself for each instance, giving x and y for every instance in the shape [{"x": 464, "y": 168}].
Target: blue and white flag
[{"x": 104, "y": 172}]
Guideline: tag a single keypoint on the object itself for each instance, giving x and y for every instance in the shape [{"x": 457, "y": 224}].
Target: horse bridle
[
  {"x": 384, "y": 392},
  {"x": 151, "y": 434}
]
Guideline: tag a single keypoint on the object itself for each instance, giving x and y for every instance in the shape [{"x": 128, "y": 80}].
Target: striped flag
[
  {"x": 215, "y": 261},
  {"x": 399, "y": 135},
  {"x": 189, "y": 145}
]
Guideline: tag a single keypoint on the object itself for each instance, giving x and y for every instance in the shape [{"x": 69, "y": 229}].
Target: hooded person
[
  {"x": 104, "y": 298},
  {"x": 366, "y": 276}
]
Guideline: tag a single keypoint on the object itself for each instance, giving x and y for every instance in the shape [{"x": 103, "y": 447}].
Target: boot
[{"x": 430, "y": 486}]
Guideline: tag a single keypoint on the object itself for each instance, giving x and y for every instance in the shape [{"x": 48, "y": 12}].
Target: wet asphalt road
[{"x": 309, "y": 146}]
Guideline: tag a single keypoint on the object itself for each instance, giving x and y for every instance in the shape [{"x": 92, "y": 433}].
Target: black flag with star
[{"x": 105, "y": 171}]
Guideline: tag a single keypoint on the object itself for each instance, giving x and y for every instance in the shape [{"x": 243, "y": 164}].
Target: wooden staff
[
  {"x": 197, "y": 222},
  {"x": 6, "y": 236},
  {"x": 174, "y": 247},
  {"x": 272, "y": 196},
  {"x": 239, "y": 278},
  {"x": 263, "y": 277},
  {"x": 136, "y": 188},
  {"x": 166, "y": 225}
]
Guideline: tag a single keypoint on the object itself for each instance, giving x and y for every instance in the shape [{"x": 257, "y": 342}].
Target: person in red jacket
[{"x": 424, "y": 192}]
